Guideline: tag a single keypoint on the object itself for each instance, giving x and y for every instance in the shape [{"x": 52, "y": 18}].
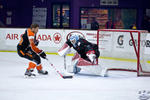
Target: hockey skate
[
  {"x": 29, "y": 73},
  {"x": 42, "y": 72}
]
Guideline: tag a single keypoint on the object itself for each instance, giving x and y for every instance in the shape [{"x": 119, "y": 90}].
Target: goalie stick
[
  {"x": 63, "y": 75},
  {"x": 65, "y": 62}
]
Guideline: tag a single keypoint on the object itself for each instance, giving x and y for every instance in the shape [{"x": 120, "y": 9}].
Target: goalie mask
[{"x": 73, "y": 39}]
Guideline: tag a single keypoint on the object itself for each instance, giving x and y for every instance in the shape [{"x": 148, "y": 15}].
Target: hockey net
[{"x": 125, "y": 46}]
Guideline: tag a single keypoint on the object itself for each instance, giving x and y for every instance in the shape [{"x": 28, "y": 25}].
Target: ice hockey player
[
  {"x": 87, "y": 52},
  {"x": 27, "y": 48}
]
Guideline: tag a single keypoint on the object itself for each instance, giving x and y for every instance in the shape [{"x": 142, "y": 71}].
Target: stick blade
[{"x": 67, "y": 77}]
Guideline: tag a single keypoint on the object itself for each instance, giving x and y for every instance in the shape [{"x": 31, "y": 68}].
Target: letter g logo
[{"x": 120, "y": 40}]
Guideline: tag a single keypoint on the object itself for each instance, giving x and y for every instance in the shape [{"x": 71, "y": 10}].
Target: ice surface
[{"x": 13, "y": 85}]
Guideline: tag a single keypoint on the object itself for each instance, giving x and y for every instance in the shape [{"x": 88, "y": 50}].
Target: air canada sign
[{"x": 53, "y": 38}]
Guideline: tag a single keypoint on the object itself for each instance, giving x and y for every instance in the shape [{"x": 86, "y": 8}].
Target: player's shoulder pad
[{"x": 30, "y": 33}]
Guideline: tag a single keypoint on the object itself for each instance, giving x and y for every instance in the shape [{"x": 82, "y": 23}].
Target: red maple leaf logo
[{"x": 57, "y": 37}]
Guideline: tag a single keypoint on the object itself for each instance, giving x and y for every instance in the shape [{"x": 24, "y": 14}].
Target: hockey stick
[
  {"x": 65, "y": 62},
  {"x": 60, "y": 74}
]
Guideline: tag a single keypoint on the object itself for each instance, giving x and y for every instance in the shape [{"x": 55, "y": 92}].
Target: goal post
[{"x": 131, "y": 45}]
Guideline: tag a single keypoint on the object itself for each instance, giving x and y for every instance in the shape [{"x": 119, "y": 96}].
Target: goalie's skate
[
  {"x": 42, "y": 72},
  {"x": 29, "y": 73}
]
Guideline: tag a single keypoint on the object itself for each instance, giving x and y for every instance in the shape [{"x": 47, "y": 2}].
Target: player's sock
[
  {"x": 40, "y": 71},
  {"x": 31, "y": 66}
]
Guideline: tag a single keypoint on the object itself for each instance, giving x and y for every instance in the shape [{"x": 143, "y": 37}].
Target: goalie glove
[{"x": 91, "y": 55}]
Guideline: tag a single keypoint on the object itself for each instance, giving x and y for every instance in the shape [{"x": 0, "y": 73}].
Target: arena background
[{"x": 72, "y": 13}]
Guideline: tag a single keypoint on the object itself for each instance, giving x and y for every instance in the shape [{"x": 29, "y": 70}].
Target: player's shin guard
[
  {"x": 31, "y": 66},
  {"x": 39, "y": 67}
]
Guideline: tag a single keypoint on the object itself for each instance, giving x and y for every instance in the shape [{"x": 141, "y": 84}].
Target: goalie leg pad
[
  {"x": 95, "y": 70},
  {"x": 83, "y": 62},
  {"x": 90, "y": 67},
  {"x": 73, "y": 67},
  {"x": 77, "y": 61}
]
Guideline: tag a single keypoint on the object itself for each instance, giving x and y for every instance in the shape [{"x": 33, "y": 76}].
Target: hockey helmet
[{"x": 74, "y": 38}]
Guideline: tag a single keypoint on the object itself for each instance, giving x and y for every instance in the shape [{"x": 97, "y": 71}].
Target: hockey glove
[
  {"x": 42, "y": 54},
  {"x": 36, "y": 42}
]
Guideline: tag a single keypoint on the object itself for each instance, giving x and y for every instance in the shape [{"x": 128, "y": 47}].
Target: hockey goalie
[{"x": 85, "y": 56}]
